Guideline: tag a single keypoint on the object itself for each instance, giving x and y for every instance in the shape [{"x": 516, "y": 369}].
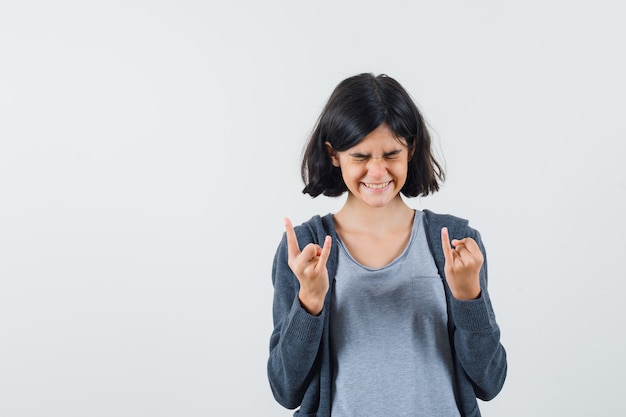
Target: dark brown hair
[{"x": 357, "y": 106}]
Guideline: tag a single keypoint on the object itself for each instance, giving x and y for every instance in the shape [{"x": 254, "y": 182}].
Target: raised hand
[
  {"x": 309, "y": 266},
  {"x": 462, "y": 266}
]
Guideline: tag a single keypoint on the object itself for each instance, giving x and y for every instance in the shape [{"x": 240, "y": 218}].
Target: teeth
[{"x": 377, "y": 185}]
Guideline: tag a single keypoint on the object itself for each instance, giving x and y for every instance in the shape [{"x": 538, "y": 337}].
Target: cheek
[
  {"x": 401, "y": 171},
  {"x": 352, "y": 173}
]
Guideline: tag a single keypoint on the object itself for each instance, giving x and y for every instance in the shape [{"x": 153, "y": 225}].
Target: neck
[{"x": 354, "y": 215}]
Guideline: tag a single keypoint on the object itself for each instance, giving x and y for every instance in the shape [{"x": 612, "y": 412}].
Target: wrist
[
  {"x": 466, "y": 295},
  {"x": 312, "y": 304}
]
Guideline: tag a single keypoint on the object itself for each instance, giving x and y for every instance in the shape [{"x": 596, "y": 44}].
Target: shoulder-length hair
[{"x": 357, "y": 106}]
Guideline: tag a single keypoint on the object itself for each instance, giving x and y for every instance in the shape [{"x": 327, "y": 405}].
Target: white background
[{"x": 149, "y": 151}]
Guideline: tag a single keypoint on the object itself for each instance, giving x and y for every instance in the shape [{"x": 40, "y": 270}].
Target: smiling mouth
[{"x": 376, "y": 186}]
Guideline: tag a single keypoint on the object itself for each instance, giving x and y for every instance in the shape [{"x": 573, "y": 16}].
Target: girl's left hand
[{"x": 462, "y": 268}]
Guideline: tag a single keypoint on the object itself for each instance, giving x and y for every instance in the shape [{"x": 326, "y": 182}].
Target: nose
[{"x": 377, "y": 167}]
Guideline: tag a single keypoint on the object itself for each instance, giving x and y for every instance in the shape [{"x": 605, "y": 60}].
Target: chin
[{"x": 378, "y": 203}]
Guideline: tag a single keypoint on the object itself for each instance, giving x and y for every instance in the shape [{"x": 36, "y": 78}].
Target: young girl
[{"x": 380, "y": 309}]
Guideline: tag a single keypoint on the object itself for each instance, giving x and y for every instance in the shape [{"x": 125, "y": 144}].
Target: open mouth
[{"x": 378, "y": 186}]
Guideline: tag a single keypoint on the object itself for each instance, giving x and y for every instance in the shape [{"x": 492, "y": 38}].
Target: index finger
[
  {"x": 292, "y": 241},
  {"x": 445, "y": 243}
]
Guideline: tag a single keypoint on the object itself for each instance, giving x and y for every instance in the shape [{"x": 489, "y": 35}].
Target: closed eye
[
  {"x": 393, "y": 154},
  {"x": 361, "y": 157}
]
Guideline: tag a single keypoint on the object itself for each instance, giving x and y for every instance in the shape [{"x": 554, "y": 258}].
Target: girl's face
[{"x": 375, "y": 169}]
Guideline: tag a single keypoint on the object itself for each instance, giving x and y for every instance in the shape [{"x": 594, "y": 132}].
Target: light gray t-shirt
[{"x": 389, "y": 336}]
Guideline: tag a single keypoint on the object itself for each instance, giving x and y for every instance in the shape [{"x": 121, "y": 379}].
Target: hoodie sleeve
[
  {"x": 477, "y": 337},
  {"x": 296, "y": 338}
]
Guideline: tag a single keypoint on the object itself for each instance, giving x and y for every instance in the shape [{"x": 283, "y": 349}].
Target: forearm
[
  {"x": 477, "y": 345},
  {"x": 294, "y": 347}
]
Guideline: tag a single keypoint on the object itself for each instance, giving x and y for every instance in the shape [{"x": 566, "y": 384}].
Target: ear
[
  {"x": 332, "y": 153},
  {"x": 411, "y": 152}
]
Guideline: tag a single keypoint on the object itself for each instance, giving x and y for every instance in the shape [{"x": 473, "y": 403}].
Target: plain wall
[{"x": 149, "y": 151}]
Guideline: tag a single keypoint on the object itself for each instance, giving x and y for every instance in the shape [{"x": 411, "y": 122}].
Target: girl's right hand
[{"x": 309, "y": 266}]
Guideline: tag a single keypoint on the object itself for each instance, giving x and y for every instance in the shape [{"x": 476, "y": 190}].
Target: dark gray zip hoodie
[{"x": 299, "y": 365}]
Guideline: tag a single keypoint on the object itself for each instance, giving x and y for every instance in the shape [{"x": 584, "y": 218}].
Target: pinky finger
[{"x": 325, "y": 253}]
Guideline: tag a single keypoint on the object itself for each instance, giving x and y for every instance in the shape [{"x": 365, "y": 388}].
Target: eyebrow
[{"x": 364, "y": 155}]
